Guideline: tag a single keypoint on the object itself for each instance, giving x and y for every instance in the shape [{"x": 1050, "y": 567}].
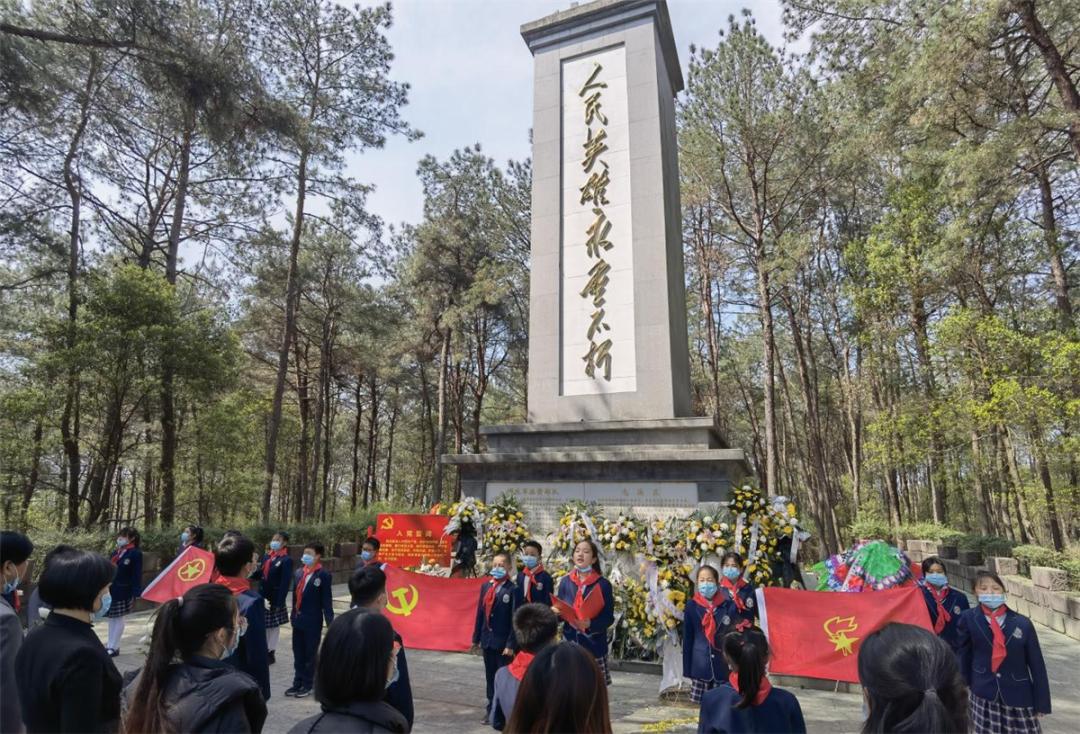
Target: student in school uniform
[
  {"x": 1002, "y": 662},
  {"x": 126, "y": 586},
  {"x": 234, "y": 562},
  {"x": 587, "y": 578},
  {"x": 493, "y": 630},
  {"x": 944, "y": 603},
  {"x": 534, "y": 584},
  {"x": 312, "y": 603},
  {"x": 191, "y": 535},
  {"x": 367, "y": 587},
  {"x": 274, "y": 573},
  {"x": 747, "y": 701},
  {"x": 15, "y": 550},
  {"x": 535, "y": 627},
  {"x": 369, "y": 553},
  {"x": 709, "y": 616},
  {"x": 736, "y": 588}
]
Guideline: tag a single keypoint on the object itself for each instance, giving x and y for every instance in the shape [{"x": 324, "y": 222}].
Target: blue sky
[{"x": 471, "y": 77}]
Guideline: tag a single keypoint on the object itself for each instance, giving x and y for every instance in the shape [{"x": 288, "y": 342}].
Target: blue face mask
[
  {"x": 10, "y": 586},
  {"x": 731, "y": 573},
  {"x": 106, "y": 602},
  {"x": 275, "y": 545},
  {"x": 121, "y": 542},
  {"x": 530, "y": 562},
  {"x": 583, "y": 569},
  {"x": 307, "y": 559},
  {"x": 366, "y": 555},
  {"x": 185, "y": 536},
  {"x": 937, "y": 579},
  {"x": 498, "y": 572},
  {"x": 991, "y": 601},
  {"x": 707, "y": 589}
]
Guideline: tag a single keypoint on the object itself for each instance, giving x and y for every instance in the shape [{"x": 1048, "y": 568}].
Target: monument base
[{"x": 651, "y": 468}]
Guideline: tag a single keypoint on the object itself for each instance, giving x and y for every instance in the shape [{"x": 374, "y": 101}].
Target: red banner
[
  {"x": 409, "y": 540},
  {"x": 191, "y": 568},
  {"x": 816, "y": 634},
  {"x": 431, "y": 612}
]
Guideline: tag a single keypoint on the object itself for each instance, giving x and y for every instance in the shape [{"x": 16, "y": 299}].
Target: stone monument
[{"x": 609, "y": 412}]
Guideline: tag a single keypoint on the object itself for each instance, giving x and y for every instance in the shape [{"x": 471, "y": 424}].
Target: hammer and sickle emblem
[
  {"x": 407, "y": 600},
  {"x": 387, "y": 523},
  {"x": 191, "y": 570}
]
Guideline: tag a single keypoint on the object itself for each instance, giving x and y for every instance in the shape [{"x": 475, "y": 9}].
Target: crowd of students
[{"x": 207, "y": 669}]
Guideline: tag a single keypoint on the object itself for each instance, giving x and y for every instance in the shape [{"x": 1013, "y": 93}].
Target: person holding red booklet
[{"x": 593, "y": 615}]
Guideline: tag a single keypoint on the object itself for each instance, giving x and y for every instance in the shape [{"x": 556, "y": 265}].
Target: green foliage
[
  {"x": 988, "y": 546},
  {"x": 1037, "y": 555}
]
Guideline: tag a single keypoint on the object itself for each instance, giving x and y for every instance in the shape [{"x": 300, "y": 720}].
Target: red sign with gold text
[{"x": 409, "y": 540}]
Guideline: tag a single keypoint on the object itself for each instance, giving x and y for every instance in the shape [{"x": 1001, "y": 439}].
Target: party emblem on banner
[
  {"x": 406, "y": 601},
  {"x": 387, "y": 523},
  {"x": 837, "y": 629},
  {"x": 192, "y": 570}
]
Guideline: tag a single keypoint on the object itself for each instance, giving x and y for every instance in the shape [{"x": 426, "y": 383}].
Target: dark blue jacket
[
  {"x": 595, "y": 640},
  {"x": 252, "y": 656},
  {"x": 274, "y": 587},
  {"x": 497, "y": 632},
  {"x": 749, "y": 599},
  {"x": 540, "y": 592},
  {"x": 956, "y": 603},
  {"x": 399, "y": 693},
  {"x": 701, "y": 661},
  {"x": 316, "y": 603},
  {"x": 1021, "y": 680},
  {"x": 127, "y": 583},
  {"x": 779, "y": 713}
]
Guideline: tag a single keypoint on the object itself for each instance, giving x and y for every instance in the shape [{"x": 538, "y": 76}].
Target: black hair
[
  {"x": 366, "y": 584},
  {"x": 987, "y": 574},
  {"x": 533, "y": 544},
  {"x": 372, "y": 541},
  {"x": 499, "y": 554},
  {"x": 731, "y": 555},
  {"x": 283, "y": 534},
  {"x": 231, "y": 533},
  {"x": 595, "y": 553},
  {"x": 180, "y": 629},
  {"x": 535, "y": 626},
  {"x": 710, "y": 569},
  {"x": 14, "y": 547},
  {"x": 912, "y": 682},
  {"x": 748, "y": 651},
  {"x": 319, "y": 548},
  {"x": 562, "y": 691},
  {"x": 930, "y": 561},
  {"x": 196, "y": 534},
  {"x": 131, "y": 534},
  {"x": 73, "y": 578},
  {"x": 233, "y": 552},
  {"x": 354, "y": 659}
]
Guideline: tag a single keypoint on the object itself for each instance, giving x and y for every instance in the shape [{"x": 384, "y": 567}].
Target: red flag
[
  {"x": 816, "y": 634},
  {"x": 432, "y": 612},
  {"x": 191, "y": 568}
]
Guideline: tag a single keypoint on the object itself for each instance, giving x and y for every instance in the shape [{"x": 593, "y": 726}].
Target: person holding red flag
[
  {"x": 313, "y": 602},
  {"x": 234, "y": 562},
  {"x": 274, "y": 574},
  {"x": 535, "y": 627},
  {"x": 126, "y": 586},
  {"x": 493, "y": 631},
  {"x": 708, "y": 617},
  {"x": 945, "y": 604},
  {"x": 736, "y": 588},
  {"x": 534, "y": 584},
  {"x": 1002, "y": 662},
  {"x": 586, "y": 579}
]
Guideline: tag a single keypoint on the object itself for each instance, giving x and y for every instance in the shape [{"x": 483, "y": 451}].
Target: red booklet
[{"x": 590, "y": 610}]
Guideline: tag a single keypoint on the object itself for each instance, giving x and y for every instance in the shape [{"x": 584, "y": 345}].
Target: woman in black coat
[
  {"x": 67, "y": 682},
  {"x": 200, "y": 693},
  {"x": 357, "y": 662}
]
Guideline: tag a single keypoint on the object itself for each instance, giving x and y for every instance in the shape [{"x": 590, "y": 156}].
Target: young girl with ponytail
[
  {"x": 585, "y": 579},
  {"x": 747, "y": 701},
  {"x": 185, "y": 685}
]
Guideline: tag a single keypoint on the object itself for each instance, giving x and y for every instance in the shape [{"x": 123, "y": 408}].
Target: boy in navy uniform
[
  {"x": 368, "y": 590},
  {"x": 493, "y": 631},
  {"x": 313, "y": 602},
  {"x": 234, "y": 562},
  {"x": 275, "y": 576},
  {"x": 534, "y": 584},
  {"x": 369, "y": 553},
  {"x": 535, "y": 627}
]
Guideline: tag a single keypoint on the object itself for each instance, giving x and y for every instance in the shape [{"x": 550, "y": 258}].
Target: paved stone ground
[{"x": 448, "y": 689}]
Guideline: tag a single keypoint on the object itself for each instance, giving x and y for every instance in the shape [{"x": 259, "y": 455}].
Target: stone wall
[{"x": 1044, "y": 597}]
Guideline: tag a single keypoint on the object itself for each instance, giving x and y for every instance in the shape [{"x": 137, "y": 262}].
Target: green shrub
[
  {"x": 988, "y": 545},
  {"x": 1072, "y": 566},
  {"x": 870, "y": 526},
  {"x": 1036, "y": 555},
  {"x": 930, "y": 531}
]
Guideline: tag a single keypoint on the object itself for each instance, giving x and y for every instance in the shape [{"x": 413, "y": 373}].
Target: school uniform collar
[
  {"x": 199, "y": 661},
  {"x": 1007, "y": 628},
  {"x": 70, "y": 623},
  {"x": 379, "y": 713}
]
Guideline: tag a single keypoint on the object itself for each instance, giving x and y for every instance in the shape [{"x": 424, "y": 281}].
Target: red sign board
[{"x": 409, "y": 540}]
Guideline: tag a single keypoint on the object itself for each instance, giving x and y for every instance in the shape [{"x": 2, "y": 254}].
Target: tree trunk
[
  {"x": 370, "y": 476},
  {"x": 354, "y": 485},
  {"x": 394, "y": 409},
  {"x": 767, "y": 363},
  {"x": 440, "y": 441},
  {"x": 30, "y": 486},
  {"x": 302, "y": 504},
  {"x": 1042, "y": 466}
]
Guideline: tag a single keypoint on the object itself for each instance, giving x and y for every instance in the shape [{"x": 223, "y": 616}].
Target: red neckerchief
[
  {"x": 235, "y": 584},
  {"x": 708, "y": 622},
  {"x": 489, "y": 599},
  {"x": 119, "y": 553},
  {"x": 520, "y": 664},
  {"x": 763, "y": 688},
  {"x": 997, "y": 656},
  {"x": 308, "y": 571},
  {"x": 531, "y": 574},
  {"x": 943, "y": 616},
  {"x": 581, "y": 582},
  {"x": 270, "y": 560},
  {"x": 733, "y": 589}
]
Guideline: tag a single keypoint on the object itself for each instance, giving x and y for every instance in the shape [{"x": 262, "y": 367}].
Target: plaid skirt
[
  {"x": 602, "y": 662},
  {"x": 994, "y": 717},
  {"x": 698, "y": 688},
  {"x": 120, "y": 608},
  {"x": 277, "y": 617}
]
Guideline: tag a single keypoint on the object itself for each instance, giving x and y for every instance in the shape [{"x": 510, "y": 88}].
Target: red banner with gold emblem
[
  {"x": 431, "y": 612},
  {"x": 191, "y": 568},
  {"x": 816, "y": 634}
]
